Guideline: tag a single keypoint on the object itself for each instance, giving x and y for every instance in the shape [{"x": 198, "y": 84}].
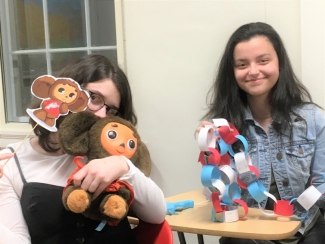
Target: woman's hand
[
  {"x": 3, "y": 157},
  {"x": 99, "y": 173},
  {"x": 205, "y": 123},
  {"x": 202, "y": 125},
  {"x": 6, "y": 156}
]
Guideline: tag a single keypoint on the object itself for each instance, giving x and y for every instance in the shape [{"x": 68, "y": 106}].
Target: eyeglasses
[{"x": 96, "y": 102}]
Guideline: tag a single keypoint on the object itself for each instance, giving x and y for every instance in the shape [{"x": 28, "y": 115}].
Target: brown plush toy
[{"x": 84, "y": 134}]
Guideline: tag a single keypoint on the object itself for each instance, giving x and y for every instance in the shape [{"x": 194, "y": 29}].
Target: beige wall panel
[
  {"x": 284, "y": 16},
  {"x": 313, "y": 48}
]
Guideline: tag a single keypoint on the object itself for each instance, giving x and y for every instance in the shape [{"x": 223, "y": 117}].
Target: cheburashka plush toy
[{"x": 84, "y": 134}]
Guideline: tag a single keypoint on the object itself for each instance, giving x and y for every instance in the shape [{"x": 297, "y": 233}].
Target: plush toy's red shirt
[{"x": 52, "y": 107}]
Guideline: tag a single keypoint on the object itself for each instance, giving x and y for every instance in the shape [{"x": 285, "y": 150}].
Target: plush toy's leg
[
  {"x": 125, "y": 193},
  {"x": 76, "y": 199},
  {"x": 114, "y": 206},
  {"x": 49, "y": 121},
  {"x": 40, "y": 114}
]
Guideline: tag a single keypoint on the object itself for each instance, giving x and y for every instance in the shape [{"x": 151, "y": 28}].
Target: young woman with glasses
[{"x": 31, "y": 208}]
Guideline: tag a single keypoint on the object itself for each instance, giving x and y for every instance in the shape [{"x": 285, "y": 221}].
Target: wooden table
[{"x": 255, "y": 225}]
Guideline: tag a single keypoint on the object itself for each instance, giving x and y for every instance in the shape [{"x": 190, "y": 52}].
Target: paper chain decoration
[{"x": 219, "y": 178}]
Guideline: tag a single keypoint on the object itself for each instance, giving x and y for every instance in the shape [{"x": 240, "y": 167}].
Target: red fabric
[{"x": 153, "y": 233}]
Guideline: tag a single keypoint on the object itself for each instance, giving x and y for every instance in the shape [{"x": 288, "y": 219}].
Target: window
[{"x": 40, "y": 37}]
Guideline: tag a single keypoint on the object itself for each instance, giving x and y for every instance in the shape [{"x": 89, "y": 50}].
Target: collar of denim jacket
[{"x": 248, "y": 114}]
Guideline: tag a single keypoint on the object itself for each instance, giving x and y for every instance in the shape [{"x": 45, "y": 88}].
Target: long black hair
[{"x": 226, "y": 100}]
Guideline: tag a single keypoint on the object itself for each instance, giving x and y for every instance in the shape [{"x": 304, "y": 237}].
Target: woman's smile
[{"x": 256, "y": 81}]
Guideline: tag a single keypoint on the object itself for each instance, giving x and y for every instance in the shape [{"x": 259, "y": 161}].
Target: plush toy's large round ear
[
  {"x": 143, "y": 159},
  {"x": 73, "y": 132}
]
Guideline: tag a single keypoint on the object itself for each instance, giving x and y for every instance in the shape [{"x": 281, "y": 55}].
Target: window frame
[{"x": 23, "y": 128}]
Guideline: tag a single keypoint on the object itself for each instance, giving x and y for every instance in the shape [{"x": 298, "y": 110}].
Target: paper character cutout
[{"x": 60, "y": 95}]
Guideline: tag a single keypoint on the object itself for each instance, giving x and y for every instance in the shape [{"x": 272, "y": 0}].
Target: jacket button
[
  {"x": 279, "y": 156},
  {"x": 285, "y": 182},
  {"x": 80, "y": 239},
  {"x": 80, "y": 224},
  {"x": 300, "y": 150}
]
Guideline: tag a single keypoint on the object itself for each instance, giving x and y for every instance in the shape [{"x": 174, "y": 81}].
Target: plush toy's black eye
[
  {"x": 131, "y": 144},
  {"x": 61, "y": 90},
  {"x": 72, "y": 95},
  {"x": 111, "y": 134}
]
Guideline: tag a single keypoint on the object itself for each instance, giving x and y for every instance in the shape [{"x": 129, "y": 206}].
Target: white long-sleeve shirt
[{"x": 149, "y": 203}]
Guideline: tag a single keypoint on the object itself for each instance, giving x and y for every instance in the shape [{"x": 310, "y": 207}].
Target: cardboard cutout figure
[{"x": 60, "y": 95}]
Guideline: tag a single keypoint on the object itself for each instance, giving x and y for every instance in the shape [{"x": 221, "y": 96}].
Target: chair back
[{"x": 147, "y": 233}]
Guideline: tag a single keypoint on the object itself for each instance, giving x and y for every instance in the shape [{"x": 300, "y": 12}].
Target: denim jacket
[{"x": 294, "y": 164}]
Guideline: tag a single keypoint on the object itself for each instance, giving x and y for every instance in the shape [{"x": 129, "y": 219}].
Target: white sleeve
[
  {"x": 149, "y": 201},
  {"x": 13, "y": 228}
]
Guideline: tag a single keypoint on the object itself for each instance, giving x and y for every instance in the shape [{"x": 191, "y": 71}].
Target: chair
[
  {"x": 182, "y": 240},
  {"x": 147, "y": 233}
]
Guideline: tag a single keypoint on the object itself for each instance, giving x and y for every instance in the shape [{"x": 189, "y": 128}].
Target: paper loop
[
  {"x": 220, "y": 186},
  {"x": 201, "y": 159},
  {"x": 208, "y": 173},
  {"x": 206, "y": 138},
  {"x": 248, "y": 159},
  {"x": 220, "y": 122},
  {"x": 225, "y": 159},
  {"x": 283, "y": 208},
  {"x": 292, "y": 200},
  {"x": 244, "y": 205},
  {"x": 234, "y": 129},
  {"x": 225, "y": 216},
  {"x": 256, "y": 189},
  {"x": 267, "y": 213},
  {"x": 302, "y": 217},
  {"x": 243, "y": 141},
  {"x": 207, "y": 193},
  {"x": 296, "y": 216},
  {"x": 227, "y": 174},
  {"x": 223, "y": 147},
  {"x": 214, "y": 157},
  {"x": 241, "y": 163},
  {"x": 252, "y": 169},
  {"x": 232, "y": 192},
  {"x": 215, "y": 198},
  {"x": 309, "y": 197},
  {"x": 271, "y": 196},
  {"x": 226, "y": 135}
]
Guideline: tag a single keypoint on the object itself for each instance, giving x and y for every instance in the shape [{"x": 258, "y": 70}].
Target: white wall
[
  {"x": 313, "y": 48},
  {"x": 172, "y": 48}
]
